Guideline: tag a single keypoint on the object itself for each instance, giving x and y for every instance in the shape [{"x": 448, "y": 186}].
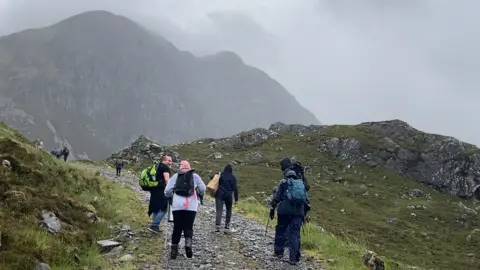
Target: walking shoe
[
  {"x": 188, "y": 247},
  {"x": 278, "y": 255},
  {"x": 217, "y": 229},
  {"x": 154, "y": 229},
  {"x": 227, "y": 226},
  {"x": 174, "y": 251},
  {"x": 292, "y": 262}
]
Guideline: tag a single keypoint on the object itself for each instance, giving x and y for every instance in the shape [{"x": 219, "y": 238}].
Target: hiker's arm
[
  {"x": 166, "y": 175},
  {"x": 278, "y": 195},
  {"x": 170, "y": 185},
  {"x": 235, "y": 189},
  {"x": 200, "y": 184}
]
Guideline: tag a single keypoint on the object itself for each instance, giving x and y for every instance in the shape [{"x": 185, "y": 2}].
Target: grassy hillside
[
  {"x": 368, "y": 206},
  {"x": 38, "y": 182}
]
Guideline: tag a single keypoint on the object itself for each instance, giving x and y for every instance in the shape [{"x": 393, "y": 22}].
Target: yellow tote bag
[{"x": 212, "y": 186}]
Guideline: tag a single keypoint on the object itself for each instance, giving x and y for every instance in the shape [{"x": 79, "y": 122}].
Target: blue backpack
[{"x": 296, "y": 192}]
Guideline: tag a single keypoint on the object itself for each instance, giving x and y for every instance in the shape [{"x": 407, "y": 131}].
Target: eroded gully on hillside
[{"x": 245, "y": 247}]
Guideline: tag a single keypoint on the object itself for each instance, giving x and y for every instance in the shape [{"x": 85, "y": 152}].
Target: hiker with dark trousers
[
  {"x": 183, "y": 188},
  {"x": 118, "y": 166},
  {"x": 65, "y": 153},
  {"x": 158, "y": 204},
  {"x": 287, "y": 164},
  {"x": 290, "y": 214},
  {"x": 227, "y": 185}
]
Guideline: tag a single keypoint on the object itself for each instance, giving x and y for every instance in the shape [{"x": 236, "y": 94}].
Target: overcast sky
[{"x": 346, "y": 61}]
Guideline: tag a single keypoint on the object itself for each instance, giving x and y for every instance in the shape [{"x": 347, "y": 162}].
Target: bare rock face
[
  {"x": 439, "y": 162},
  {"x": 50, "y": 222},
  {"x": 372, "y": 262},
  {"x": 42, "y": 266},
  {"x": 142, "y": 149}
]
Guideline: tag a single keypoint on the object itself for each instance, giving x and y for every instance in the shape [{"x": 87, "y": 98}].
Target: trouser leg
[
  {"x": 228, "y": 209},
  {"x": 282, "y": 224},
  {"x": 294, "y": 238},
  {"x": 219, "y": 211}
]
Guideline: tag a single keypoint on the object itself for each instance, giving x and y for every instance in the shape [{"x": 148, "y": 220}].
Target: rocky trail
[{"x": 245, "y": 246}]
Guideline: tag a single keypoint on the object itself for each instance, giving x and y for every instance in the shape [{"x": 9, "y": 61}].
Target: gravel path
[{"x": 245, "y": 246}]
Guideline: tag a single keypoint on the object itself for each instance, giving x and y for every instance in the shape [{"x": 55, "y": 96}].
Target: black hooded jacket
[{"x": 227, "y": 184}]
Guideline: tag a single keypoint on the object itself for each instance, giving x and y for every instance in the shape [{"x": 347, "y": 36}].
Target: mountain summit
[{"x": 96, "y": 81}]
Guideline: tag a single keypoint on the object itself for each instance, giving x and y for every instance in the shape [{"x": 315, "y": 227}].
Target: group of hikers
[
  {"x": 59, "y": 152},
  {"x": 56, "y": 152},
  {"x": 182, "y": 192}
]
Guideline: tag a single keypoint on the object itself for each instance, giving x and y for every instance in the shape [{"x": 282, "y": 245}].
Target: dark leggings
[
  {"x": 182, "y": 221},
  {"x": 219, "y": 210},
  {"x": 118, "y": 171}
]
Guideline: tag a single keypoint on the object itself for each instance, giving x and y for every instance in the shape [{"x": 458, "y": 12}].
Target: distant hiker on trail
[
  {"x": 157, "y": 206},
  {"x": 292, "y": 200},
  {"x": 65, "y": 153},
  {"x": 227, "y": 185},
  {"x": 118, "y": 166},
  {"x": 182, "y": 186}
]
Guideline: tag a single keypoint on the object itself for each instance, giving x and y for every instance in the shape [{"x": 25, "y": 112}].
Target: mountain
[
  {"x": 406, "y": 194},
  {"x": 96, "y": 81}
]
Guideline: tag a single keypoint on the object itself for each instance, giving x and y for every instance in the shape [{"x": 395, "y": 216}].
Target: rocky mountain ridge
[
  {"x": 96, "y": 81},
  {"x": 439, "y": 162}
]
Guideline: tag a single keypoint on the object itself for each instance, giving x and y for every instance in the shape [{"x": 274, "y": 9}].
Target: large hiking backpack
[
  {"x": 296, "y": 166},
  {"x": 147, "y": 178},
  {"x": 296, "y": 192},
  {"x": 184, "y": 186}
]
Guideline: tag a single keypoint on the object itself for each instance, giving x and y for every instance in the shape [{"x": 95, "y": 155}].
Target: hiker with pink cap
[{"x": 183, "y": 186}]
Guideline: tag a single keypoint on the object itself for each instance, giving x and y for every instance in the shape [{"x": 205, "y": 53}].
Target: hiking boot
[
  {"x": 154, "y": 229},
  {"x": 174, "y": 251},
  {"x": 188, "y": 247},
  {"x": 278, "y": 255},
  {"x": 217, "y": 229},
  {"x": 227, "y": 226},
  {"x": 292, "y": 262}
]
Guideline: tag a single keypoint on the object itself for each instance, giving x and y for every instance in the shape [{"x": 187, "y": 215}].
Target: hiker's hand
[
  {"x": 272, "y": 213},
  {"x": 307, "y": 219}
]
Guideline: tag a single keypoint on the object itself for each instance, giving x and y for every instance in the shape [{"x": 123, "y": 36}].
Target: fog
[{"x": 346, "y": 61}]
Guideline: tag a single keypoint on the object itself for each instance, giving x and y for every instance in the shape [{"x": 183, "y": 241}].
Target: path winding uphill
[{"x": 244, "y": 247}]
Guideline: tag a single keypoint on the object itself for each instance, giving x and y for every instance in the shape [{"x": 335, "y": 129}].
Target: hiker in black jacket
[
  {"x": 65, "y": 153},
  {"x": 227, "y": 185},
  {"x": 292, "y": 200}
]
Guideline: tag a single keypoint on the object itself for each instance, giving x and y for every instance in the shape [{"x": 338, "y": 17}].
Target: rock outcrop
[
  {"x": 443, "y": 163},
  {"x": 141, "y": 150}
]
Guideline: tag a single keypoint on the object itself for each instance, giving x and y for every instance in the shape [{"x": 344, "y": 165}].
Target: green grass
[
  {"x": 37, "y": 182},
  {"x": 355, "y": 210},
  {"x": 335, "y": 253}
]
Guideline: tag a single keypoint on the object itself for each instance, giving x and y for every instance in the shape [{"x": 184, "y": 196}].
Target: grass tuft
[{"x": 39, "y": 182}]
